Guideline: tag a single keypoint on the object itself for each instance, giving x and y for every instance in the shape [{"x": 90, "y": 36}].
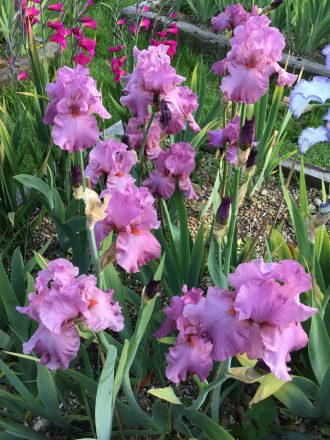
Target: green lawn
[{"x": 184, "y": 61}]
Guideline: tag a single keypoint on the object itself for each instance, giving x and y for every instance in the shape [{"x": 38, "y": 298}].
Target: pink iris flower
[
  {"x": 152, "y": 75},
  {"x": 74, "y": 100},
  {"x": 256, "y": 49},
  {"x": 110, "y": 158},
  {"x": 131, "y": 214},
  {"x": 134, "y": 132},
  {"x": 191, "y": 353},
  {"x": 233, "y": 15},
  {"x": 260, "y": 317},
  {"x": 63, "y": 299},
  {"x": 177, "y": 163}
]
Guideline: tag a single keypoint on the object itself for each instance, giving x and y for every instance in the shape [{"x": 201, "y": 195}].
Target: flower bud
[
  {"x": 252, "y": 159},
  {"x": 125, "y": 139},
  {"x": 165, "y": 114},
  {"x": 76, "y": 176},
  {"x": 223, "y": 210},
  {"x": 274, "y": 4},
  {"x": 156, "y": 102},
  {"x": 151, "y": 289},
  {"x": 247, "y": 134}
]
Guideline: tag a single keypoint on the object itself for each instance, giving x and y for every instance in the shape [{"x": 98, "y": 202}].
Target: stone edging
[
  {"x": 22, "y": 63},
  {"x": 211, "y": 43}
]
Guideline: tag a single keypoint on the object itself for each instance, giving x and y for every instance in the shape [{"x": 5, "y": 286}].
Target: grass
[{"x": 184, "y": 61}]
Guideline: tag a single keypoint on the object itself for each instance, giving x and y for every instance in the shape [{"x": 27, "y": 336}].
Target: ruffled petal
[
  {"x": 318, "y": 89},
  {"x": 189, "y": 355},
  {"x": 217, "y": 318},
  {"x": 103, "y": 313},
  {"x": 136, "y": 249},
  {"x": 278, "y": 345},
  {"x": 75, "y": 133},
  {"x": 311, "y": 136},
  {"x": 56, "y": 350}
]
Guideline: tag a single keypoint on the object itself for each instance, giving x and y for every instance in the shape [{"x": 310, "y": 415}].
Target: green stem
[
  {"x": 216, "y": 393},
  {"x": 102, "y": 340},
  {"x": 94, "y": 254},
  {"x": 233, "y": 221},
  {"x": 184, "y": 233},
  {"x": 143, "y": 144},
  {"x": 81, "y": 163},
  {"x": 141, "y": 325},
  {"x": 216, "y": 383}
]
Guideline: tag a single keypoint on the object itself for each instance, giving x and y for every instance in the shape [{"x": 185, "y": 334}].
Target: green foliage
[{"x": 307, "y": 24}]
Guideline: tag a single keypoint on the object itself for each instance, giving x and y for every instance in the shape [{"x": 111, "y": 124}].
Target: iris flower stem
[
  {"x": 81, "y": 163},
  {"x": 235, "y": 194},
  {"x": 94, "y": 254},
  {"x": 232, "y": 225},
  {"x": 210, "y": 387},
  {"x": 142, "y": 148}
]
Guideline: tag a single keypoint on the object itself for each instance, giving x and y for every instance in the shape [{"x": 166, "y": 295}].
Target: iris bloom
[
  {"x": 62, "y": 300},
  {"x": 176, "y": 163},
  {"x": 260, "y": 316},
  {"x": 74, "y": 100},
  {"x": 256, "y": 50},
  {"x": 318, "y": 89},
  {"x": 131, "y": 215},
  {"x": 153, "y": 77}
]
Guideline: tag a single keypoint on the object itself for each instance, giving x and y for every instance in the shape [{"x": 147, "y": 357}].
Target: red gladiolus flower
[{"x": 58, "y": 7}]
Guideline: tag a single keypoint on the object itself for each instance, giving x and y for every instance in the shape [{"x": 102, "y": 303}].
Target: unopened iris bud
[
  {"x": 252, "y": 159},
  {"x": 76, "y": 176},
  {"x": 125, "y": 140},
  {"x": 247, "y": 134},
  {"x": 223, "y": 210},
  {"x": 156, "y": 102},
  {"x": 165, "y": 114},
  {"x": 274, "y": 4},
  {"x": 222, "y": 216},
  {"x": 151, "y": 289}
]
